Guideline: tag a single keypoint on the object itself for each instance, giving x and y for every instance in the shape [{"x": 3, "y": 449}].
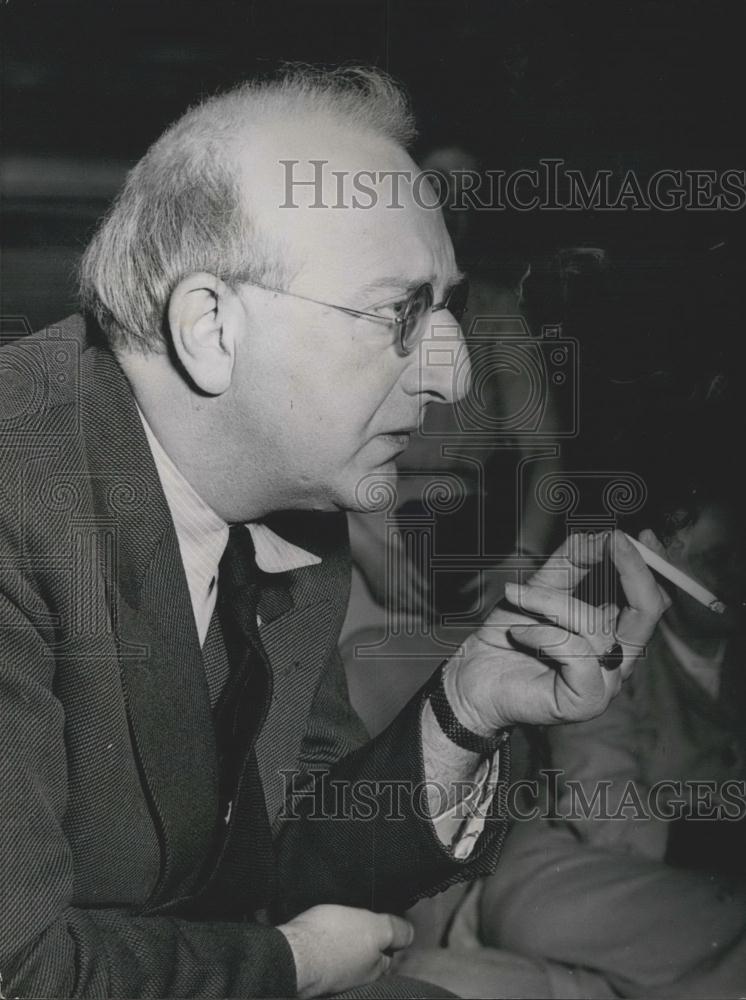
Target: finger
[
  {"x": 649, "y": 538},
  {"x": 555, "y": 642},
  {"x": 607, "y": 656},
  {"x": 377, "y": 967},
  {"x": 570, "y": 564},
  {"x": 382, "y": 967},
  {"x": 645, "y": 600},
  {"x": 585, "y": 682},
  {"x": 395, "y": 932},
  {"x": 501, "y": 617},
  {"x": 609, "y": 615},
  {"x": 596, "y": 625},
  {"x": 665, "y": 597},
  {"x": 638, "y": 583}
]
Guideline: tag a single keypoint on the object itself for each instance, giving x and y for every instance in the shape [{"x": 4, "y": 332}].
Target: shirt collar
[{"x": 202, "y": 534}]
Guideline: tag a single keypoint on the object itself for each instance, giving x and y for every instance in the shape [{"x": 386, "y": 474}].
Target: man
[{"x": 248, "y": 356}]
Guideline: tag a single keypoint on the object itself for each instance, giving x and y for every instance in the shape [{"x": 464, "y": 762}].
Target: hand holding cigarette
[{"x": 546, "y": 656}]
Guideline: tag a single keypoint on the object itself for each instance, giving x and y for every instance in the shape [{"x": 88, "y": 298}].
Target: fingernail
[
  {"x": 604, "y": 539},
  {"x": 597, "y": 538}
]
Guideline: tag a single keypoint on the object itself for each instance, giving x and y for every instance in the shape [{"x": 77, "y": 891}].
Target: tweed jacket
[{"x": 119, "y": 878}]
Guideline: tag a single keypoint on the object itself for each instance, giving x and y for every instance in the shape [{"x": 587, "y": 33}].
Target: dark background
[{"x": 87, "y": 85}]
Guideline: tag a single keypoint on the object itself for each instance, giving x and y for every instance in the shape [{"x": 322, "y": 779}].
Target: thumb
[{"x": 395, "y": 932}]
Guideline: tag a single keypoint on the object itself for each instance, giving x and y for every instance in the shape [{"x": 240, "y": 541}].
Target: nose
[{"x": 439, "y": 366}]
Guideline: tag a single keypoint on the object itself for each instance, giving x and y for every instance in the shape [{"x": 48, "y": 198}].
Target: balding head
[{"x": 191, "y": 205}]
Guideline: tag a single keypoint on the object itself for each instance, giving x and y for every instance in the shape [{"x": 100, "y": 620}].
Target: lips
[
  {"x": 400, "y": 437},
  {"x": 407, "y": 429}
]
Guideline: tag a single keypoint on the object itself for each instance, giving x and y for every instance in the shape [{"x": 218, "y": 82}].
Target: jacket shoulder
[{"x": 40, "y": 376}]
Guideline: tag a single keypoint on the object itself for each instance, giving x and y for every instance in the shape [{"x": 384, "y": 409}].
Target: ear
[{"x": 202, "y": 316}]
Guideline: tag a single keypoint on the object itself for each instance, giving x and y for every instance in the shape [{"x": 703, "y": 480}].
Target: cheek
[
  {"x": 340, "y": 401},
  {"x": 315, "y": 428},
  {"x": 327, "y": 388}
]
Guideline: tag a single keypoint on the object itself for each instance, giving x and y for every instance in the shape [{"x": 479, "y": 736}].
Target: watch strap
[{"x": 457, "y": 733}]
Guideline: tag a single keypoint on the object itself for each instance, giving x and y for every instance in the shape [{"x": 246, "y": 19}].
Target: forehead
[{"x": 345, "y": 207}]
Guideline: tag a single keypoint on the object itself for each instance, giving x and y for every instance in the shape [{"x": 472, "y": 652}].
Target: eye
[{"x": 392, "y": 309}]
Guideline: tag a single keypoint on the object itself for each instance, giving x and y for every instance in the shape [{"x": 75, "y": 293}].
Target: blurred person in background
[{"x": 644, "y": 892}]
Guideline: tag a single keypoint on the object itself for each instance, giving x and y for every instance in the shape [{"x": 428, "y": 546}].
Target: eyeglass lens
[{"x": 421, "y": 301}]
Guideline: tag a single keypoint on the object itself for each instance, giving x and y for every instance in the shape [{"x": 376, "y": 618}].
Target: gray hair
[{"x": 181, "y": 210}]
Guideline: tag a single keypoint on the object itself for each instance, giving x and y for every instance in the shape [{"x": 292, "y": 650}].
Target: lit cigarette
[{"x": 697, "y": 591}]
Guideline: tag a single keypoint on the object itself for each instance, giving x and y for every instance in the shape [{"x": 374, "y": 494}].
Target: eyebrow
[{"x": 397, "y": 283}]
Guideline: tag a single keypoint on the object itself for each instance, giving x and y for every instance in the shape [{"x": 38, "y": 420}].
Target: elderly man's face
[{"x": 327, "y": 398}]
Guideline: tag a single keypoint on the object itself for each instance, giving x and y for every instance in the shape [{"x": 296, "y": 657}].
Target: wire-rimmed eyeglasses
[{"x": 409, "y": 321}]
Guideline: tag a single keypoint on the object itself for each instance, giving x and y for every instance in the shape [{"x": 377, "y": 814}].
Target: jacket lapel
[
  {"x": 170, "y": 718},
  {"x": 296, "y": 645},
  {"x": 299, "y": 632},
  {"x": 160, "y": 659}
]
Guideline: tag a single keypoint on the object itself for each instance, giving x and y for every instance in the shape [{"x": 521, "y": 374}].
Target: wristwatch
[{"x": 455, "y": 731}]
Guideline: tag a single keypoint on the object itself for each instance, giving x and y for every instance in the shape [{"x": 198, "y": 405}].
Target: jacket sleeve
[
  {"x": 50, "y": 948},
  {"x": 356, "y": 828}
]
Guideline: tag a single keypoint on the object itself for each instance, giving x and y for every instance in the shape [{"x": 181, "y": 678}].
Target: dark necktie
[
  {"x": 243, "y": 700},
  {"x": 232, "y": 632},
  {"x": 240, "y": 682}
]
